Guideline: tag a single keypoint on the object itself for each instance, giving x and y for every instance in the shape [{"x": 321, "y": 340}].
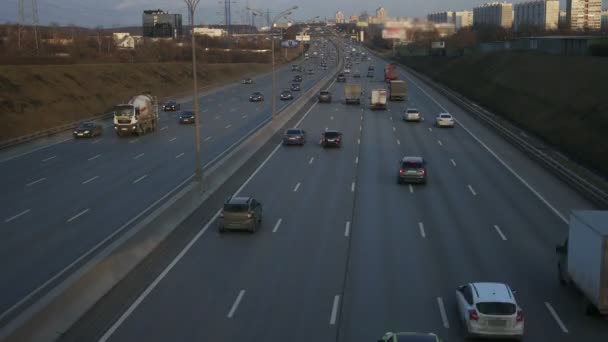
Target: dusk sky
[{"x": 111, "y": 13}]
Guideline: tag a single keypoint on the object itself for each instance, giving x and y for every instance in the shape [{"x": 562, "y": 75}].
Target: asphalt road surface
[
  {"x": 345, "y": 254},
  {"x": 60, "y": 202}
]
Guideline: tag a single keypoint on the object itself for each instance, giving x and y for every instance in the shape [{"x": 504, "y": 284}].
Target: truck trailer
[
  {"x": 352, "y": 93},
  {"x": 138, "y": 116},
  {"x": 377, "y": 99},
  {"x": 398, "y": 90}
]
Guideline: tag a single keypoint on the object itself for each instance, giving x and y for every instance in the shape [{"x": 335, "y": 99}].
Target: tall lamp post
[
  {"x": 198, "y": 171},
  {"x": 283, "y": 14}
]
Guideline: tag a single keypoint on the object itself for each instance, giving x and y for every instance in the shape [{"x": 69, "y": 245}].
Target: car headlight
[
  {"x": 133, "y": 127},
  {"x": 75, "y": 132},
  {"x": 86, "y": 132}
]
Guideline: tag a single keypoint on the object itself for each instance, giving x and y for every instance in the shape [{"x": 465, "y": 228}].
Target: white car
[
  {"x": 490, "y": 310},
  {"x": 347, "y": 71},
  {"x": 445, "y": 120},
  {"x": 411, "y": 114}
]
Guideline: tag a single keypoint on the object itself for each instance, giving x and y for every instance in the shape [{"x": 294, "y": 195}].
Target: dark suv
[
  {"x": 294, "y": 136},
  {"x": 325, "y": 96},
  {"x": 412, "y": 170},
  {"x": 341, "y": 78},
  {"x": 241, "y": 213},
  {"x": 331, "y": 138}
]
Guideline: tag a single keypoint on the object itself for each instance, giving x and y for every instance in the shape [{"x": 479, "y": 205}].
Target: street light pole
[{"x": 198, "y": 170}]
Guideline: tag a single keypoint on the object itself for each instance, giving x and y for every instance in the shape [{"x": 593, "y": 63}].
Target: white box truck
[
  {"x": 377, "y": 99},
  {"x": 583, "y": 258}
]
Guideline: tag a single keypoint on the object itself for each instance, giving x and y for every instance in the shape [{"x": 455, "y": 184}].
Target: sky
[{"x": 116, "y": 13}]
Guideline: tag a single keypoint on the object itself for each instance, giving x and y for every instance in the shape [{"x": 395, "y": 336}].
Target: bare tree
[{"x": 99, "y": 29}]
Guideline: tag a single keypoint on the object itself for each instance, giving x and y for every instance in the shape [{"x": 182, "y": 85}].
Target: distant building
[
  {"x": 211, "y": 32},
  {"x": 494, "y": 14},
  {"x": 605, "y": 20},
  {"x": 563, "y": 20},
  {"x": 539, "y": 14},
  {"x": 123, "y": 40},
  {"x": 584, "y": 14},
  {"x": 354, "y": 18},
  {"x": 161, "y": 24},
  {"x": 380, "y": 13},
  {"x": 340, "y": 18},
  {"x": 441, "y": 17},
  {"x": 460, "y": 19}
]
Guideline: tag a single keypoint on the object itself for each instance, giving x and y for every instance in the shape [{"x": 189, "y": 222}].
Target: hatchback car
[
  {"x": 186, "y": 117},
  {"x": 341, "y": 78},
  {"x": 411, "y": 114},
  {"x": 490, "y": 310},
  {"x": 295, "y": 87},
  {"x": 240, "y": 213},
  {"x": 294, "y": 136},
  {"x": 286, "y": 95},
  {"x": 445, "y": 120},
  {"x": 171, "y": 106},
  {"x": 256, "y": 97},
  {"x": 87, "y": 129},
  {"x": 409, "y": 337},
  {"x": 247, "y": 81},
  {"x": 325, "y": 96},
  {"x": 331, "y": 139},
  {"x": 412, "y": 170}
]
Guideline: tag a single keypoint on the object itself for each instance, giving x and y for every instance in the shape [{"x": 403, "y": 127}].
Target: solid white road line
[
  {"x": 453, "y": 162},
  {"x": 179, "y": 155},
  {"x": 347, "y": 229},
  {"x": 439, "y": 142},
  {"x": 444, "y": 316},
  {"x": 502, "y": 236},
  {"x": 90, "y": 180},
  {"x": 507, "y": 166},
  {"x": 139, "y": 156},
  {"x": 295, "y": 189},
  {"x": 36, "y": 181},
  {"x": 311, "y": 160},
  {"x": 94, "y": 157},
  {"x": 398, "y": 142},
  {"x": 17, "y": 216},
  {"x": 334, "y": 310},
  {"x": 472, "y": 190},
  {"x": 49, "y": 158},
  {"x": 411, "y": 188},
  {"x": 228, "y": 126},
  {"x": 236, "y": 303},
  {"x": 352, "y": 187},
  {"x": 164, "y": 128},
  {"x": 172, "y": 139},
  {"x": 357, "y": 160},
  {"x": 140, "y": 179},
  {"x": 556, "y": 317},
  {"x": 133, "y": 140},
  {"x": 422, "y": 232},
  {"x": 276, "y": 226},
  {"x": 78, "y": 215},
  {"x": 207, "y": 138}
]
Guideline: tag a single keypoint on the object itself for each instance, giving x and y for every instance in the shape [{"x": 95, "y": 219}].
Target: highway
[
  {"x": 345, "y": 254},
  {"x": 61, "y": 203}
]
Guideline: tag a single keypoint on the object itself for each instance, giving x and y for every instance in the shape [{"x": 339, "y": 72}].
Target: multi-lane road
[
  {"x": 345, "y": 254},
  {"x": 62, "y": 202}
]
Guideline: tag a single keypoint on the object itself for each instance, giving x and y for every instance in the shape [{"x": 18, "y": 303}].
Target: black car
[
  {"x": 87, "y": 129},
  {"x": 256, "y": 97},
  {"x": 370, "y": 74},
  {"x": 325, "y": 96},
  {"x": 341, "y": 78},
  {"x": 294, "y": 67},
  {"x": 171, "y": 106},
  {"x": 247, "y": 81},
  {"x": 297, "y": 79},
  {"x": 186, "y": 117},
  {"x": 295, "y": 87},
  {"x": 286, "y": 95},
  {"x": 331, "y": 138},
  {"x": 294, "y": 136},
  {"x": 412, "y": 170}
]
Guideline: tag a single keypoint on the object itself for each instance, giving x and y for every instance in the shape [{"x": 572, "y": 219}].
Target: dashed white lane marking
[
  {"x": 556, "y": 317},
  {"x": 352, "y": 187},
  {"x": 296, "y": 187},
  {"x": 356, "y": 160},
  {"x": 17, "y": 216},
  {"x": 217, "y": 117},
  {"x": 422, "y": 232},
  {"x": 205, "y": 111},
  {"x": 358, "y": 141},
  {"x": 139, "y": 156},
  {"x": 311, "y": 160},
  {"x": 140, "y": 179},
  {"x": 277, "y": 225},
  {"x": 36, "y": 181},
  {"x": 228, "y": 126},
  {"x": 331, "y": 117},
  {"x": 164, "y": 128},
  {"x": 360, "y": 128},
  {"x": 444, "y": 316},
  {"x": 244, "y": 116},
  {"x": 179, "y": 155},
  {"x": 439, "y": 142},
  {"x": 207, "y": 138},
  {"x": 430, "y": 129},
  {"x": 472, "y": 190},
  {"x": 172, "y": 139},
  {"x": 78, "y": 215},
  {"x": 133, "y": 140},
  {"x": 453, "y": 162},
  {"x": 391, "y": 118},
  {"x": 347, "y": 229},
  {"x": 96, "y": 141},
  {"x": 411, "y": 188},
  {"x": 232, "y": 109},
  {"x": 94, "y": 157},
  {"x": 236, "y": 303},
  {"x": 334, "y": 310},
  {"x": 90, "y": 180},
  {"x": 49, "y": 158},
  {"x": 502, "y": 236},
  {"x": 394, "y": 129},
  {"x": 398, "y": 142},
  {"x": 361, "y": 117}
]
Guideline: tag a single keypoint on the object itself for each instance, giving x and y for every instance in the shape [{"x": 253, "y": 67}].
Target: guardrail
[{"x": 508, "y": 131}]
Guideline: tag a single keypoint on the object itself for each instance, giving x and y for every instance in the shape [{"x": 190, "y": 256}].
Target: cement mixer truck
[{"x": 139, "y": 116}]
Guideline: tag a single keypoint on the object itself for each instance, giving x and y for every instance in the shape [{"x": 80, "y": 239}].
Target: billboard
[
  {"x": 362, "y": 24},
  {"x": 290, "y": 43},
  {"x": 303, "y": 38},
  {"x": 393, "y": 33},
  {"x": 281, "y": 25},
  {"x": 438, "y": 45}
]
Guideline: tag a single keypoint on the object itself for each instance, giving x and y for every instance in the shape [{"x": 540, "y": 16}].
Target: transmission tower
[{"x": 28, "y": 17}]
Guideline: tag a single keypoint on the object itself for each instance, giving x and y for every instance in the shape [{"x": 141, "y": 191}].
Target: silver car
[
  {"x": 445, "y": 120},
  {"x": 411, "y": 114},
  {"x": 241, "y": 213}
]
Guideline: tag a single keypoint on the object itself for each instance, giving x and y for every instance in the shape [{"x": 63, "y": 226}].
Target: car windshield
[
  {"x": 413, "y": 111},
  {"x": 331, "y": 135},
  {"x": 87, "y": 125},
  {"x": 235, "y": 208},
  {"x": 324, "y": 93},
  {"x": 187, "y": 114},
  {"x": 411, "y": 165},
  {"x": 496, "y": 308},
  {"x": 445, "y": 116},
  {"x": 294, "y": 131},
  {"x": 123, "y": 111},
  {"x": 256, "y": 94}
]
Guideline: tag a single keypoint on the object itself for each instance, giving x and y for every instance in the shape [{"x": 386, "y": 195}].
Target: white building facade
[{"x": 584, "y": 14}]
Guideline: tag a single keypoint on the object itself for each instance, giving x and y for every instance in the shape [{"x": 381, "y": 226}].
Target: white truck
[
  {"x": 583, "y": 258},
  {"x": 138, "y": 116},
  {"x": 377, "y": 99},
  {"x": 352, "y": 93}
]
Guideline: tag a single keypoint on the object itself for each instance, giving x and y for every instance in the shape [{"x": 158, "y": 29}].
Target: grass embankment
[{"x": 561, "y": 99}]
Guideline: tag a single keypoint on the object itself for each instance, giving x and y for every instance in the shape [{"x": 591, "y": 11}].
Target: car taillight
[
  {"x": 222, "y": 215},
  {"x": 249, "y": 215},
  {"x": 473, "y": 315},
  {"x": 338, "y": 139},
  {"x": 421, "y": 172},
  {"x": 520, "y": 316},
  {"x": 323, "y": 140},
  {"x": 401, "y": 170}
]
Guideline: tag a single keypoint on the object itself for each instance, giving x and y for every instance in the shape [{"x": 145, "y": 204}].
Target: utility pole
[{"x": 28, "y": 15}]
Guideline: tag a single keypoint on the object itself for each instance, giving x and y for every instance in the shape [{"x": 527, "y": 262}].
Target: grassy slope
[{"x": 562, "y": 99}]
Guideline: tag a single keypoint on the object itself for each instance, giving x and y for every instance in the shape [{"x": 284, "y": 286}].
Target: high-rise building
[
  {"x": 563, "y": 19},
  {"x": 605, "y": 20},
  {"x": 460, "y": 19},
  {"x": 161, "y": 24},
  {"x": 441, "y": 17},
  {"x": 340, "y": 18},
  {"x": 380, "y": 13},
  {"x": 539, "y": 14},
  {"x": 354, "y": 18},
  {"x": 494, "y": 14},
  {"x": 584, "y": 14}
]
